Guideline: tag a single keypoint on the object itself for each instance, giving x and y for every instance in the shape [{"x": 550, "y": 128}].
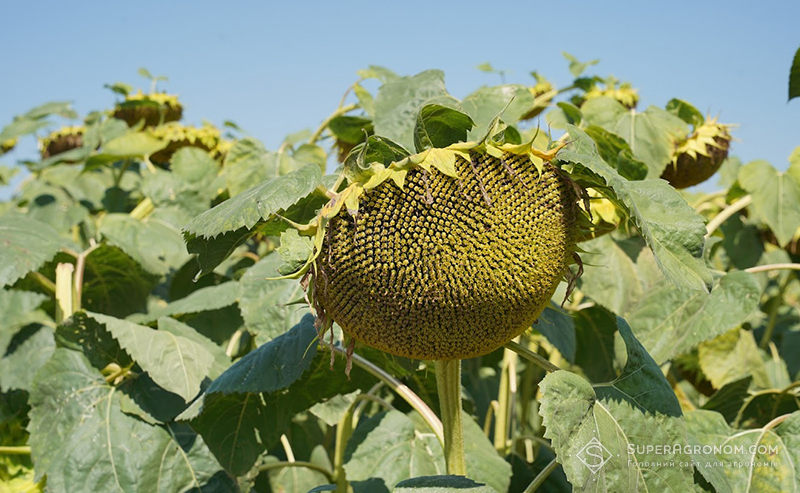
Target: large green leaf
[
  {"x": 559, "y": 328},
  {"x": 248, "y": 162},
  {"x": 257, "y": 203},
  {"x": 273, "y": 366},
  {"x": 82, "y": 440},
  {"x": 133, "y": 144},
  {"x": 672, "y": 229},
  {"x": 221, "y": 360},
  {"x": 754, "y": 460},
  {"x": 90, "y": 337},
  {"x": 794, "y": 77},
  {"x": 25, "y": 245},
  {"x": 176, "y": 363},
  {"x": 611, "y": 275},
  {"x": 19, "y": 308},
  {"x": 114, "y": 283},
  {"x": 616, "y": 152},
  {"x": 204, "y": 299},
  {"x": 776, "y": 198},
  {"x": 389, "y": 447},
  {"x": 299, "y": 479},
  {"x": 602, "y": 443},
  {"x": 35, "y": 119},
  {"x": 651, "y": 134},
  {"x": 156, "y": 245},
  {"x": 732, "y": 356},
  {"x": 395, "y": 447},
  {"x": 641, "y": 383},
  {"x": 670, "y": 322},
  {"x": 594, "y": 330},
  {"x": 685, "y": 112},
  {"x": 400, "y": 99},
  {"x": 486, "y": 103},
  {"x": 439, "y": 126},
  {"x": 18, "y": 367},
  {"x": 266, "y": 304},
  {"x": 238, "y": 427}
]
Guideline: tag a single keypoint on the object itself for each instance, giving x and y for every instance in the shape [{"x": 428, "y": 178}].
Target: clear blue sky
[{"x": 278, "y": 67}]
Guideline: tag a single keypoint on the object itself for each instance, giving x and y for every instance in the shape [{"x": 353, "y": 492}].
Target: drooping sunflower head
[
  {"x": 697, "y": 157},
  {"x": 436, "y": 265},
  {"x": 7, "y": 145},
  {"x": 206, "y": 137},
  {"x": 154, "y": 108},
  {"x": 62, "y": 140}
]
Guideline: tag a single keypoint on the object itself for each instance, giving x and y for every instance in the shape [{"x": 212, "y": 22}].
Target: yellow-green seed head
[
  {"x": 447, "y": 267},
  {"x": 699, "y": 156},
  {"x": 154, "y": 108},
  {"x": 625, "y": 94},
  {"x": 7, "y": 145},
  {"x": 207, "y": 137},
  {"x": 62, "y": 140}
]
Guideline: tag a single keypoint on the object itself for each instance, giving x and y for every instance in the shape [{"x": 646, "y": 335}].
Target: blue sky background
[{"x": 278, "y": 67}]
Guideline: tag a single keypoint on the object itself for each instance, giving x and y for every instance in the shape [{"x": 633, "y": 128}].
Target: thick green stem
[
  {"x": 343, "y": 432},
  {"x": 21, "y": 450},
  {"x": 505, "y": 400},
  {"x": 65, "y": 292},
  {"x": 727, "y": 213},
  {"x": 143, "y": 209},
  {"x": 448, "y": 383}
]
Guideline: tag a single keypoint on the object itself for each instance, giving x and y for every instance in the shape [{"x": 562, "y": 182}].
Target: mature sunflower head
[
  {"x": 7, "y": 145},
  {"x": 448, "y": 265},
  {"x": 62, "y": 140},
  {"x": 154, "y": 109},
  {"x": 207, "y": 137},
  {"x": 698, "y": 156}
]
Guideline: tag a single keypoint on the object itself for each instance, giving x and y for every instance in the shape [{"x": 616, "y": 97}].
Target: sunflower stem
[{"x": 448, "y": 383}]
